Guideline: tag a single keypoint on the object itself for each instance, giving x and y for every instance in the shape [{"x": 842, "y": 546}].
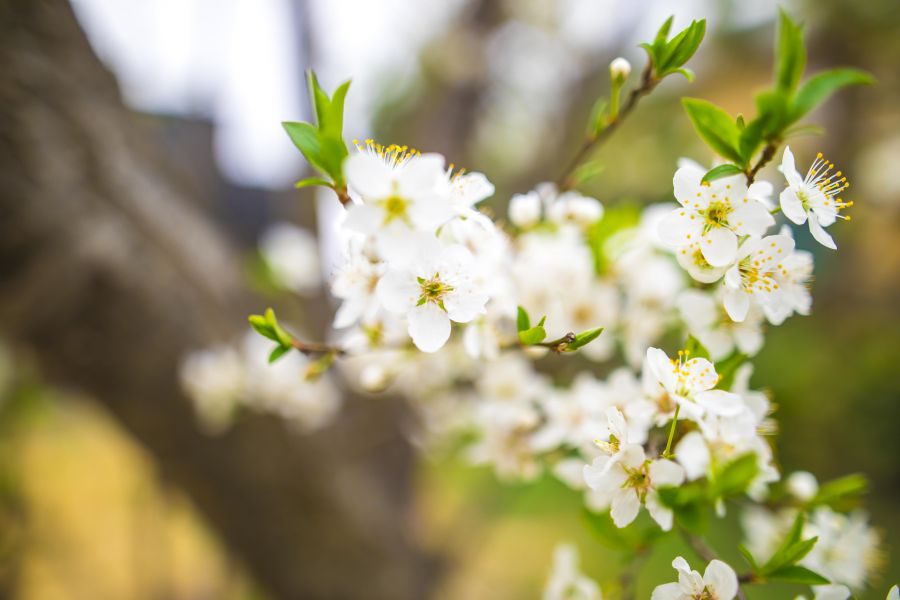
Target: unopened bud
[
  {"x": 525, "y": 209},
  {"x": 619, "y": 70},
  {"x": 375, "y": 378}
]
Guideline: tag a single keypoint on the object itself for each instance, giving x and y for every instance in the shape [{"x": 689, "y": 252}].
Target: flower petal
[
  {"x": 750, "y": 217},
  {"x": 720, "y": 402},
  {"x": 737, "y": 303},
  {"x": 692, "y": 453},
  {"x": 397, "y": 291},
  {"x": 664, "y": 472},
  {"x": 686, "y": 183},
  {"x": 464, "y": 304},
  {"x": 368, "y": 175},
  {"x": 719, "y": 246},
  {"x": 700, "y": 373},
  {"x": 421, "y": 177},
  {"x": 429, "y": 327},
  {"x": 792, "y": 207},
  {"x": 679, "y": 228},
  {"x": 667, "y": 591},
  {"x": 722, "y": 579},
  {"x": 363, "y": 218},
  {"x": 819, "y": 233},
  {"x": 660, "y": 513},
  {"x": 789, "y": 169},
  {"x": 624, "y": 506}
]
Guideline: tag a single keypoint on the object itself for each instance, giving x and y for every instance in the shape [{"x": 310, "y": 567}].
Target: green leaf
[
  {"x": 727, "y": 369},
  {"x": 278, "y": 352},
  {"x": 621, "y": 216},
  {"x": 841, "y": 493},
  {"x": 820, "y": 86},
  {"x": 735, "y": 477},
  {"x": 663, "y": 34},
  {"x": 695, "y": 349},
  {"x": 715, "y": 126},
  {"x": 281, "y": 336},
  {"x": 748, "y": 556},
  {"x": 792, "y": 549},
  {"x": 533, "y": 335},
  {"x": 262, "y": 327},
  {"x": 682, "y": 47},
  {"x": 798, "y": 574},
  {"x": 790, "y": 54},
  {"x": 583, "y": 339},
  {"x": 523, "y": 321},
  {"x": 721, "y": 171},
  {"x": 772, "y": 107},
  {"x": 311, "y": 181},
  {"x": 751, "y": 139},
  {"x": 687, "y": 73},
  {"x": 597, "y": 120},
  {"x": 306, "y": 138}
]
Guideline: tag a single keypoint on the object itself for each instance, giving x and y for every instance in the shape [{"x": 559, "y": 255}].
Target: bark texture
[{"x": 109, "y": 274}]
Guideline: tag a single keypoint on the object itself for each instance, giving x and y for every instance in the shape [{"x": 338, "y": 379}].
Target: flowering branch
[
  {"x": 704, "y": 551},
  {"x": 767, "y": 155}
]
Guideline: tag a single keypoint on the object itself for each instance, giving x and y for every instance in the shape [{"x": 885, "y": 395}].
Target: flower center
[
  {"x": 433, "y": 290},
  {"x": 639, "y": 479},
  {"x": 830, "y": 185},
  {"x": 716, "y": 214},
  {"x": 706, "y": 595},
  {"x": 394, "y": 208}
]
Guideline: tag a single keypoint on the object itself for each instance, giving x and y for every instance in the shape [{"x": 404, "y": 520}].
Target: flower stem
[
  {"x": 648, "y": 82},
  {"x": 768, "y": 154},
  {"x": 667, "y": 453}
]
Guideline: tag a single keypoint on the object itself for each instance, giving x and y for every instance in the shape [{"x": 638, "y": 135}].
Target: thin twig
[
  {"x": 768, "y": 154},
  {"x": 648, "y": 82},
  {"x": 316, "y": 348}
]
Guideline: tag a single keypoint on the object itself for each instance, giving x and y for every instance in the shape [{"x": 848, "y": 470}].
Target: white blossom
[
  {"x": 754, "y": 278},
  {"x": 566, "y": 581},
  {"x": 690, "y": 382},
  {"x": 814, "y": 198},
  {"x": 292, "y": 256},
  {"x": 718, "y": 582}
]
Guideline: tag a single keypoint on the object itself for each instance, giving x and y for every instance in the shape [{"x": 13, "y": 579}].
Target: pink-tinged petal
[
  {"x": 792, "y": 207},
  {"x": 397, "y": 291},
  {"x": 665, "y": 473},
  {"x": 819, "y": 233},
  {"x": 624, "y": 506},
  {"x": 429, "y": 327},
  {"x": 719, "y": 246},
  {"x": 660, "y": 513},
  {"x": 686, "y": 183},
  {"x": 701, "y": 374},
  {"x": 750, "y": 217},
  {"x": 721, "y": 578},
  {"x": 680, "y": 228},
  {"x": 789, "y": 169},
  {"x": 423, "y": 177},
  {"x": 720, "y": 402},
  {"x": 464, "y": 305},
  {"x": 692, "y": 453},
  {"x": 363, "y": 218},
  {"x": 369, "y": 176},
  {"x": 737, "y": 304},
  {"x": 667, "y": 591}
]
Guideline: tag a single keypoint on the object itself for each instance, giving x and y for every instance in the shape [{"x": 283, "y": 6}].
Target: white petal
[
  {"x": 792, "y": 207},
  {"x": 697, "y": 309},
  {"x": 701, "y": 374},
  {"x": 719, "y": 246},
  {"x": 429, "y": 327},
  {"x": 464, "y": 305},
  {"x": 720, "y": 402},
  {"x": 616, "y": 423},
  {"x": 368, "y": 175},
  {"x": 660, "y": 513},
  {"x": 737, "y": 304},
  {"x": 661, "y": 367},
  {"x": 665, "y": 473},
  {"x": 679, "y": 228},
  {"x": 624, "y": 506},
  {"x": 430, "y": 213},
  {"x": 472, "y": 188},
  {"x": 686, "y": 183},
  {"x": 819, "y": 233},
  {"x": 363, "y": 218},
  {"x": 789, "y": 169},
  {"x": 421, "y": 177},
  {"x": 761, "y": 191},
  {"x": 667, "y": 591},
  {"x": 721, "y": 578},
  {"x": 397, "y": 291},
  {"x": 751, "y": 218},
  {"x": 692, "y": 453},
  {"x": 631, "y": 456}
]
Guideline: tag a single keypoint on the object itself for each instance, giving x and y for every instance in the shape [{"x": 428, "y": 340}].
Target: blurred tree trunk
[{"x": 108, "y": 275}]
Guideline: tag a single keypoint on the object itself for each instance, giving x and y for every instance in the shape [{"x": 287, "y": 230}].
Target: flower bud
[
  {"x": 375, "y": 378},
  {"x": 525, "y": 209},
  {"x": 802, "y": 485},
  {"x": 619, "y": 70}
]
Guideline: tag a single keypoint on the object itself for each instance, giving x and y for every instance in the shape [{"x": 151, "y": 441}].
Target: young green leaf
[
  {"x": 583, "y": 339},
  {"x": 841, "y": 492},
  {"x": 523, "y": 321},
  {"x": 721, "y": 171},
  {"x": 748, "y": 556},
  {"x": 682, "y": 47},
  {"x": 311, "y": 181},
  {"x": 727, "y": 369},
  {"x": 533, "y": 335},
  {"x": 306, "y": 138},
  {"x": 715, "y": 126},
  {"x": 278, "y": 352},
  {"x": 695, "y": 349},
  {"x": 262, "y": 327},
  {"x": 790, "y": 55},
  {"x": 820, "y": 86},
  {"x": 799, "y": 575}
]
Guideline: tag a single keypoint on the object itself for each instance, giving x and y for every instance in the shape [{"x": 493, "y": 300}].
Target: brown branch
[
  {"x": 648, "y": 82},
  {"x": 317, "y": 348},
  {"x": 767, "y": 155}
]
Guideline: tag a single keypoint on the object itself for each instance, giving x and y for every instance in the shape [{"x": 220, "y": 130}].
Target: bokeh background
[{"x": 91, "y": 504}]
